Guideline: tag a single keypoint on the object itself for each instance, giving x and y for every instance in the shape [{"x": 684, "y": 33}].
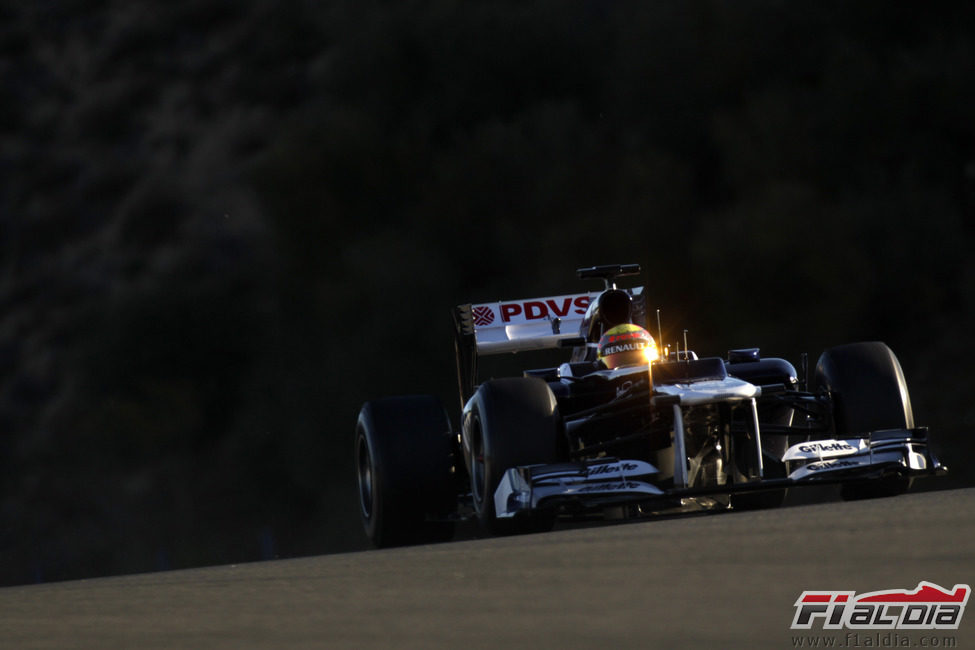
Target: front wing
[{"x": 611, "y": 481}]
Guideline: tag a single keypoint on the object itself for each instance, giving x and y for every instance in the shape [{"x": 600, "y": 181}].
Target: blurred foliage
[{"x": 225, "y": 226}]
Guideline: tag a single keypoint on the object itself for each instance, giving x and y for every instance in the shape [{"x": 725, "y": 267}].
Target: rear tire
[
  {"x": 869, "y": 394},
  {"x": 512, "y": 422},
  {"x": 403, "y": 457}
]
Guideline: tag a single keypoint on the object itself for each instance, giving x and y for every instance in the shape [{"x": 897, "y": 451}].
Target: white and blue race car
[{"x": 580, "y": 438}]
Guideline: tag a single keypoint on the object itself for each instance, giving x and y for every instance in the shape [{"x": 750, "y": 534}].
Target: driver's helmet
[{"x": 627, "y": 345}]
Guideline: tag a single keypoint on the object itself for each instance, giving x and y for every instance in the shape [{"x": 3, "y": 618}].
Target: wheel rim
[{"x": 364, "y": 474}]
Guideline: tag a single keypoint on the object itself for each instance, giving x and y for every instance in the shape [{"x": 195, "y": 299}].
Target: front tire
[
  {"x": 403, "y": 459},
  {"x": 511, "y": 422},
  {"x": 869, "y": 394}
]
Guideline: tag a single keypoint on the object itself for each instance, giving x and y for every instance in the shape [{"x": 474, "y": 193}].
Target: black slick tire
[
  {"x": 403, "y": 462},
  {"x": 869, "y": 394},
  {"x": 512, "y": 422}
]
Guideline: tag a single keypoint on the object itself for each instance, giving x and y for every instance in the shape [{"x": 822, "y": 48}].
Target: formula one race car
[{"x": 623, "y": 427}]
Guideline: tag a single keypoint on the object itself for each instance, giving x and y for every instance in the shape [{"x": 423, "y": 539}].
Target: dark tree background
[{"x": 223, "y": 226}]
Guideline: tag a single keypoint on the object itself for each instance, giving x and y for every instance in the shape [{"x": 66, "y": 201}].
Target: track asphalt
[{"x": 719, "y": 581}]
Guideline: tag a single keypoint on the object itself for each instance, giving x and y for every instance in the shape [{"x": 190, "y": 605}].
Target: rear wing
[{"x": 519, "y": 326}]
